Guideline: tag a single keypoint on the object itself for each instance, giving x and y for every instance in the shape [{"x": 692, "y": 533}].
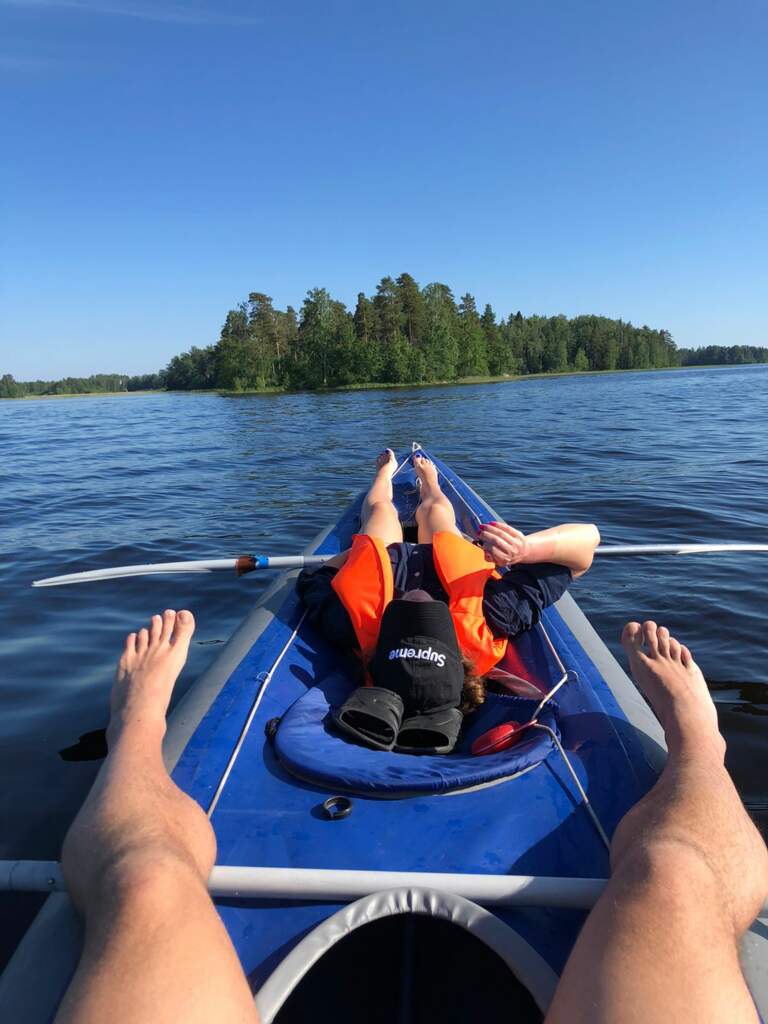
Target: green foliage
[
  {"x": 580, "y": 361},
  {"x": 473, "y": 353},
  {"x": 193, "y": 369},
  {"x": 97, "y": 383},
  {"x": 9, "y": 388},
  {"x": 403, "y": 334},
  {"x": 723, "y": 354}
]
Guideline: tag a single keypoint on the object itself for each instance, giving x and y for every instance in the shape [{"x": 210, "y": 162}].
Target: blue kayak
[{"x": 378, "y": 907}]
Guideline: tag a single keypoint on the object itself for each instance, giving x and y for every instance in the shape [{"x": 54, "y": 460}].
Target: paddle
[
  {"x": 249, "y": 563},
  {"x": 239, "y": 565}
]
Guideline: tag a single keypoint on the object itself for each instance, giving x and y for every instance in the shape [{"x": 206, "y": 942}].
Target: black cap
[{"x": 418, "y": 655}]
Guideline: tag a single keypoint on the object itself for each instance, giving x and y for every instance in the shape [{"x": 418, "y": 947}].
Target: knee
[
  {"x": 379, "y": 506},
  {"x": 672, "y": 864},
  {"x": 151, "y": 877}
]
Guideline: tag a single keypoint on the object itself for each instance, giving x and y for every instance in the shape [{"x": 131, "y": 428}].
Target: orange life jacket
[{"x": 365, "y": 585}]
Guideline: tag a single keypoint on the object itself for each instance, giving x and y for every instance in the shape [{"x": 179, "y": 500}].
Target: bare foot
[
  {"x": 148, "y": 668},
  {"x": 666, "y": 673},
  {"x": 386, "y": 463},
  {"x": 694, "y": 805},
  {"x": 134, "y": 817},
  {"x": 426, "y": 474}
]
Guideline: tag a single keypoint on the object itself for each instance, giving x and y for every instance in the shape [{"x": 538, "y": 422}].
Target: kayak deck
[
  {"x": 301, "y": 953},
  {"x": 532, "y": 823}
]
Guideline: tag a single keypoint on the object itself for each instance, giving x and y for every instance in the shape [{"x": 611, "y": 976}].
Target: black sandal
[
  {"x": 434, "y": 732},
  {"x": 372, "y": 715}
]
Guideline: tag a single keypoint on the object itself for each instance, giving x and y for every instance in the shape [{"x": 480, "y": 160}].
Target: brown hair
[{"x": 473, "y": 691}]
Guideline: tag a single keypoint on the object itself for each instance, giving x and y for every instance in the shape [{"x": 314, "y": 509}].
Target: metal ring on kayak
[{"x": 337, "y": 807}]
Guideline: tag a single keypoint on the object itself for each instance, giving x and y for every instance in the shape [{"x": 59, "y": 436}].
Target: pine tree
[
  {"x": 264, "y": 337},
  {"x": 234, "y": 356},
  {"x": 580, "y": 361},
  {"x": 386, "y": 304},
  {"x": 555, "y": 337},
  {"x": 499, "y": 355},
  {"x": 473, "y": 354},
  {"x": 412, "y": 309},
  {"x": 441, "y": 349}
]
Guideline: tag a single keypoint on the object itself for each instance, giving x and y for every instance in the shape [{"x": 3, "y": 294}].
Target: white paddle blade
[
  {"x": 240, "y": 565},
  {"x": 123, "y": 571}
]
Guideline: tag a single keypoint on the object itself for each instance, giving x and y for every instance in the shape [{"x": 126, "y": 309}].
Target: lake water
[{"x": 651, "y": 457}]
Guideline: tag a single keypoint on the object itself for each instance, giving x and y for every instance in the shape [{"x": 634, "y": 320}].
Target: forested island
[{"x": 403, "y": 334}]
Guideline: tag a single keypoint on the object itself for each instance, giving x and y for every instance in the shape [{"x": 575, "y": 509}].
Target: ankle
[
  {"x": 145, "y": 731},
  {"x": 695, "y": 742}
]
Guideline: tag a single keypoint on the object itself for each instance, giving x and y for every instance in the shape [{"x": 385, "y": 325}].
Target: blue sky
[{"x": 161, "y": 160}]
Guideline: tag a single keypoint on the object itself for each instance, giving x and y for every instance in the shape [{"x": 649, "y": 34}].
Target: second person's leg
[
  {"x": 435, "y": 512},
  {"x": 379, "y": 515}
]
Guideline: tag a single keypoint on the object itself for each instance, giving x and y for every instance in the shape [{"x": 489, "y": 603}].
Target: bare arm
[{"x": 571, "y": 544}]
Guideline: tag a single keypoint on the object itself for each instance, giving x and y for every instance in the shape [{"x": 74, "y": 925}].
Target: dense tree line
[
  {"x": 716, "y": 355},
  {"x": 96, "y": 383},
  {"x": 405, "y": 334}
]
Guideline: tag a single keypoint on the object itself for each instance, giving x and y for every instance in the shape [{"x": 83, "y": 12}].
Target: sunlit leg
[
  {"x": 435, "y": 512},
  {"x": 136, "y": 861},
  {"x": 689, "y": 873},
  {"x": 379, "y": 515}
]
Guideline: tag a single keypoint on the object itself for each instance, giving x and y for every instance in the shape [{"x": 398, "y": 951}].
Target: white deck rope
[
  {"x": 566, "y": 675},
  {"x": 587, "y": 805},
  {"x": 265, "y": 678}
]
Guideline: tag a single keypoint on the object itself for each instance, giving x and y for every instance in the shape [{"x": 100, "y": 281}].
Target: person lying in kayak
[
  {"x": 689, "y": 870},
  {"x": 432, "y": 618}
]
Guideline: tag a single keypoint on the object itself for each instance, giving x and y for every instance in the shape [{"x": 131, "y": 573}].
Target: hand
[{"x": 503, "y": 544}]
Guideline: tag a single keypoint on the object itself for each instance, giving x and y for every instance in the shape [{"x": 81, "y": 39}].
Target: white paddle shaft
[
  {"x": 248, "y": 563},
  {"x": 676, "y": 549}
]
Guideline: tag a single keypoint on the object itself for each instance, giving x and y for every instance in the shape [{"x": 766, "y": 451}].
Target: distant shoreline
[{"x": 459, "y": 382}]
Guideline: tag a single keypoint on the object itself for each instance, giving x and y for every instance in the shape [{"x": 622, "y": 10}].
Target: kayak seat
[{"x": 309, "y": 746}]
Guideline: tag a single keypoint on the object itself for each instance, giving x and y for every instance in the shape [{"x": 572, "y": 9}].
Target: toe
[
  {"x": 662, "y": 638},
  {"x": 169, "y": 618},
  {"x": 685, "y": 656},
  {"x": 632, "y": 637},
  {"x": 674, "y": 649},
  {"x": 142, "y": 641},
  {"x": 129, "y": 652},
  {"x": 183, "y": 629},
  {"x": 155, "y": 629},
  {"x": 650, "y": 635}
]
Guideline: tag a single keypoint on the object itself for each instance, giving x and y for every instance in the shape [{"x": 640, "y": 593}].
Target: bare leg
[
  {"x": 435, "y": 512},
  {"x": 380, "y": 517},
  {"x": 689, "y": 873},
  {"x": 136, "y": 861}
]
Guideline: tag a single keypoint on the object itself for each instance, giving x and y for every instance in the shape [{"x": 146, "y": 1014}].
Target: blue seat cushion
[{"x": 308, "y": 745}]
